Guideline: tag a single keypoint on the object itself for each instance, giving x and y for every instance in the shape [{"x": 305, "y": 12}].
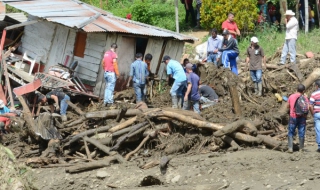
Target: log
[
  {"x": 123, "y": 125},
  {"x": 273, "y": 143},
  {"x": 121, "y": 114},
  {"x": 127, "y": 157},
  {"x": 307, "y": 83},
  {"x": 88, "y": 133},
  {"x": 150, "y": 164},
  {"x": 100, "y": 146},
  {"x": 87, "y": 150},
  {"x": 230, "y": 128},
  {"x": 92, "y": 165},
  {"x": 75, "y": 108},
  {"x": 132, "y": 128},
  {"x": 231, "y": 142},
  {"x": 245, "y": 138},
  {"x": 235, "y": 98},
  {"x": 268, "y": 132},
  {"x": 76, "y": 122},
  {"x": 114, "y": 113}
]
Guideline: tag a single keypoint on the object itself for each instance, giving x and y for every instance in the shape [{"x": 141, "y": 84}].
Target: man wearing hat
[
  {"x": 192, "y": 95},
  {"x": 255, "y": 56},
  {"x": 292, "y": 27},
  {"x": 230, "y": 52},
  {"x": 175, "y": 71}
]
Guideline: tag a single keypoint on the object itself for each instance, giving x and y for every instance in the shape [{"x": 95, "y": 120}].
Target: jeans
[
  {"x": 256, "y": 75},
  {"x": 212, "y": 58},
  {"x": 111, "y": 79},
  {"x": 177, "y": 88},
  {"x": 195, "y": 105},
  {"x": 299, "y": 122},
  {"x": 64, "y": 105},
  {"x": 206, "y": 102},
  {"x": 139, "y": 90},
  {"x": 316, "y": 118},
  {"x": 229, "y": 60},
  {"x": 289, "y": 46}
]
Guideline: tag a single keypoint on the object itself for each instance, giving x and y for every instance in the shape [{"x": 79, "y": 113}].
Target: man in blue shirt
[
  {"x": 214, "y": 43},
  {"x": 138, "y": 72},
  {"x": 192, "y": 95},
  {"x": 175, "y": 71}
]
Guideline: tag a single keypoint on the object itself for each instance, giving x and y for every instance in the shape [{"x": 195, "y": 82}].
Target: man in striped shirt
[
  {"x": 315, "y": 110},
  {"x": 138, "y": 72}
]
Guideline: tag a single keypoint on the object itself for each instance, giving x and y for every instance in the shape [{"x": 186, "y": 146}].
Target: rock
[
  {"x": 309, "y": 54},
  {"x": 102, "y": 174},
  {"x": 175, "y": 179}
]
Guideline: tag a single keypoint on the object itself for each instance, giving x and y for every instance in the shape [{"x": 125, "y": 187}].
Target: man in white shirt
[{"x": 292, "y": 27}]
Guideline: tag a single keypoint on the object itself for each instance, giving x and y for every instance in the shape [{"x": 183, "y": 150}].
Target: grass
[{"x": 270, "y": 40}]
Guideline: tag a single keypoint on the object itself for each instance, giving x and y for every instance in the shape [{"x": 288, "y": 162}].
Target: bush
[{"x": 214, "y": 12}]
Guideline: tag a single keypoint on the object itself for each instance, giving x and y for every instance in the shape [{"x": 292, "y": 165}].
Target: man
[
  {"x": 56, "y": 97},
  {"x": 138, "y": 72},
  {"x": 214, "y": 43},
  {"x": 315, "y": 111},
  {"x": 111, "y": 73},
  {"x": 175, "y": 71},
  {"x": 192, "y": 95},
  {"x": 296, "y": 120},
  {"x": 302, "y": 13},
  {"x": 189, "y": 10},
  {"x": 272, "y": 12},
  {"x": 184, "y": 64},
  {"x": 198, "y": 7},
  {"x": 147, "y": 59},
  {"x": 230, "y": 52},
  {"x": 291, "y": 38},
  {"x": 231, "y": 26},
  {"x": 208, "y": 96},
  {"x": 255, "y": 56}
]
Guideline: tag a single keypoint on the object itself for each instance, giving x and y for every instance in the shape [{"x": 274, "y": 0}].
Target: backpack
[{"x": 301, "y": 106}]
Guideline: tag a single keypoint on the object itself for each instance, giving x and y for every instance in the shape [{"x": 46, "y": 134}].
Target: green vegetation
[{"x": 159, "y": 13}]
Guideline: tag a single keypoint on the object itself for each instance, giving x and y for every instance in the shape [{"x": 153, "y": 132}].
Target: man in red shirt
[
  {"x": 111, "y": 73},
  {"x": 295, "y": 120},
  {"x": 231, "y": 26}
]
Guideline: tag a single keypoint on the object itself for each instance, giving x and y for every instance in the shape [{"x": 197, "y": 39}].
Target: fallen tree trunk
[
  {"x": 231, "y": 142},
  {"x": 91, "y": 165},
  {"x": 76, "y": 108},
  {"x": 230, "y": 128},
  {"x": 235, "y": 98},
  {"x": 273, "y": 143}
]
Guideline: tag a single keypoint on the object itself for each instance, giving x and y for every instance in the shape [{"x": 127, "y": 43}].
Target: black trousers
[{"x": 190, "y": 11}]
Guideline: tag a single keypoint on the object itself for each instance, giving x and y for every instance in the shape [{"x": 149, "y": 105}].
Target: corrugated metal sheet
[
  {"x": 16, "y": 16},
  {"x": 73, "y": 13}
]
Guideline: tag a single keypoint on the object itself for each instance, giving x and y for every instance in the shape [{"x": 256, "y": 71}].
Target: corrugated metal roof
[
  {"x": 73, "y": 13},
  {"x": 16, "y": 16}
]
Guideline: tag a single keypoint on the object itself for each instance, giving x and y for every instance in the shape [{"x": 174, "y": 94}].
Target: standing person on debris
[
  {"x": 229, "y": 53},
  {"x": 208, "y": 96},
  {"x": 291, "y": 38},
  {"x": 315, "y": 110},
  {"x": 214, "y": 43},
  {"x": 255, "y": 56},
  {"x": 192, "y": 95},
  {"x": 56, "y": 97},
  {"x": 111, "y": 73},
  {"x": 147, "y": 59},
  {"x": 231, "y": 26},
  {"x": 198, "y": 7},
  {"x": 175, "y": 71},
  {"x": 299, "y": 106},
  {"x": 138, "y": 72}
]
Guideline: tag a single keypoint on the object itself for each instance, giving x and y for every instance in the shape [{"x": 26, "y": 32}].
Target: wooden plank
[
  {"x": 44, "y": 34},
  {"x": 97, "y": 36},
  {"x": 27, "y": 35},
  {"x": 171, "y": 49},
  {"x": 154, "y": 47},
  {"x": 101, "y": 83},
  {"x": 96, "y": 42},
  {"x": 95, "y": 47},
  {"x": 94, "y": 53},
  {"x": 56, "y": 52}
]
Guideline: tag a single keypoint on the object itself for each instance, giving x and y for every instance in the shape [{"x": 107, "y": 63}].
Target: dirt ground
[{"x": 257, "y": 168}]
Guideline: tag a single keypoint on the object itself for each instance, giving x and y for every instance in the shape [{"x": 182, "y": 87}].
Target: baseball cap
[
  {"x": 165, "y": 58},
  {"x": 254, "y": 39},
  {"x": 189, "y": 66},
  {"x": 225, "y": 32},
  {"x": 1, "y": 104}
]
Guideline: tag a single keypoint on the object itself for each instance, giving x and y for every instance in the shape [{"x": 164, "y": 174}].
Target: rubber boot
[
  {"x": 179, "y": 103},
  {"x": 259, "y": 89},
  {"x": 290, "y": 144},
  {"x": 301, "y": 144},
  {"x": 255, "y": 88},
  {"x": 174, "y": 102}
]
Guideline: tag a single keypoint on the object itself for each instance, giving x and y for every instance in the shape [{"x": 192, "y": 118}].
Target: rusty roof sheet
[{"x": 73, "y": 13}]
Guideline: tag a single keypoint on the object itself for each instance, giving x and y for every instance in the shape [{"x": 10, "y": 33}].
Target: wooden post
[
  {"x": 177, "y": 15},
  {"x": 235, "y": 98},
  {"x": 306, "y": 16},
  {"x": 4, "y": 64}
]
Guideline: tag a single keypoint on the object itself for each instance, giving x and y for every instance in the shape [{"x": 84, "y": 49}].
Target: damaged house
[{"x": 64, "y": 31}]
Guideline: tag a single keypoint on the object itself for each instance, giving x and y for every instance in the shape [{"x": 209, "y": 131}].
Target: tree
[{"x": 214, "y": 12}]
